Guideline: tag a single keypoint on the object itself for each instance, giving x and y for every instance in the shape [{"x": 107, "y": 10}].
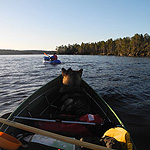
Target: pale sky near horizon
[{"x": 45, "y": 24}]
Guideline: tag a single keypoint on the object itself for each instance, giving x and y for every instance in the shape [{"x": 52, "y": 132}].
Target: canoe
[
  {"x": 52, "y": 62},
  {"x": 43, "y": 108},
  {"x": 46, "y": 59}
]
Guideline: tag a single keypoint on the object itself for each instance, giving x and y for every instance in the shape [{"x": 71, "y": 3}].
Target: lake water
[{"x": 124, "y": 82}]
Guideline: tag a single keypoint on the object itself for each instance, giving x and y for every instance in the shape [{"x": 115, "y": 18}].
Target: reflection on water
[{"x": 124, "y": 82}]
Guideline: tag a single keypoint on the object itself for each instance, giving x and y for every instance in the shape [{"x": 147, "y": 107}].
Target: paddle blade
[{"x": 45, "y": 54}]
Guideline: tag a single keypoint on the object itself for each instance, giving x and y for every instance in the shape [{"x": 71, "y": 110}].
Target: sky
[{"x": 46, "y": 24}]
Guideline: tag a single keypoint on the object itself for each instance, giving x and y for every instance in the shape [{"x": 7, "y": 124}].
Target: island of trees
[{"x": 138, "y": 45}]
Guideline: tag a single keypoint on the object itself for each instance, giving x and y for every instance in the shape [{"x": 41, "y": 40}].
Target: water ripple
[{"x": 124, "y": 82}]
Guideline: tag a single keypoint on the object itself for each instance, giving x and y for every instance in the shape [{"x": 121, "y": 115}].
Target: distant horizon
[
  {"x": 24, "y": 52},
  {"x": 26, "y": 49}
]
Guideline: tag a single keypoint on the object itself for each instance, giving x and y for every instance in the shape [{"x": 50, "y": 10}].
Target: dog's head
[{"x": 71, "y": 77}]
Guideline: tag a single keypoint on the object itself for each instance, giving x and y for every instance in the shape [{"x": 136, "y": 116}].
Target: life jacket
[
  {"x": 55, "y": 57},
  {"x": 121, "y": 135},
  {"x": 71, "y": 129}
]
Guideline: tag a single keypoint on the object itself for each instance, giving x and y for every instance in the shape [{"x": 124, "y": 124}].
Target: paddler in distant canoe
[{"x": 54, "y": 57}]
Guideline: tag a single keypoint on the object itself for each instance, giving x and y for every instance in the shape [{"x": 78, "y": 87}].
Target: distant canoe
[{"x": 47, "y": 60}]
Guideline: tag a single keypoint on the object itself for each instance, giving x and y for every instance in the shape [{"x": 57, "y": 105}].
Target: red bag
[
  {"x": 92, "y": 118},
  {"x": 71, "y": 128}
]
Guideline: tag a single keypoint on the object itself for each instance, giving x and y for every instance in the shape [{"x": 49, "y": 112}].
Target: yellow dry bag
[{"x": 121, "y": 135}]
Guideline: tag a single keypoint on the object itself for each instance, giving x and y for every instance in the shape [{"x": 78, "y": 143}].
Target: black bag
[
  {"x": 110, "y": 142},
  {"x": 75, "y": 106}
]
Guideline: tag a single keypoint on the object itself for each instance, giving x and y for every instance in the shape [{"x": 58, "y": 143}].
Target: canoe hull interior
[{"x": 47, "y": 100}]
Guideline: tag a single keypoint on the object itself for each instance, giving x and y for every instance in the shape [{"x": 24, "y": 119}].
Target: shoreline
[{"x": 23, "y": 52}]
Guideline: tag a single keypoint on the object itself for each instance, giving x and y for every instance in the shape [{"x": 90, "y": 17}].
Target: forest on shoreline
[{"x": 138, "y": 45}]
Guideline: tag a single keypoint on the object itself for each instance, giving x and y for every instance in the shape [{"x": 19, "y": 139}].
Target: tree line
[{"x": 138, "y": 45}]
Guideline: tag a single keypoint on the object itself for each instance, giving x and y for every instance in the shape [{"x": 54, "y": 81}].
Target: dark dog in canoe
[
  {"x": 71, "y": 77},
  {"x": 74, "y": 103},
  {"x": 71, "y": 80}
]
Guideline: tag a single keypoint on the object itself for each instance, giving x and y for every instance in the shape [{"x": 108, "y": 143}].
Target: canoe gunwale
[
  {"x": 109, "y": 113},
  {"x": 29, "y": 100}
]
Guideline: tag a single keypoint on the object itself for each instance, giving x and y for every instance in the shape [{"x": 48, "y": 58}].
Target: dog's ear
[
  {"x": 80, "y": 72},
  {"x": 64, "y": 71},
  {"x": 70, "y": 69}
]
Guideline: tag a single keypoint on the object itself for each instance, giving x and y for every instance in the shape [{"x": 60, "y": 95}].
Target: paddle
[
  {"x": 60, "y": 121},
  {"x": 53, "y": 135},
  {"x": 46, "y": 54}
]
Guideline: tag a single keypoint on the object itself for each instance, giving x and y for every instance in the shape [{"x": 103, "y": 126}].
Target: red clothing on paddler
[{"x": 55, "y": 57}]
